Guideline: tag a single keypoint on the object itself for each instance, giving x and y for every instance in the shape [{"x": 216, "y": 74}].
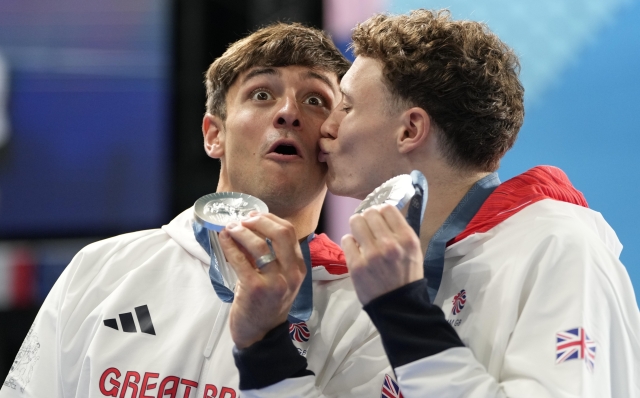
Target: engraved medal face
[
  {"x": 397, "y": 191},
  {"x": 216, "y": 210}
]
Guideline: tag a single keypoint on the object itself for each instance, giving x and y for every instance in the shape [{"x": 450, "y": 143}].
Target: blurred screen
[{"x": 84, "y": 116}]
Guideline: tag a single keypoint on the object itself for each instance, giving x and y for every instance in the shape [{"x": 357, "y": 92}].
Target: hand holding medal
[
  {"x": 263, "y": 252},
  {"x": 383, "y": 250},
  {"x": 214, "y": 212}
]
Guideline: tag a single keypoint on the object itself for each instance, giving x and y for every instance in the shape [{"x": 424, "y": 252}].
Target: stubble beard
[{"x": 286, "y": 199}]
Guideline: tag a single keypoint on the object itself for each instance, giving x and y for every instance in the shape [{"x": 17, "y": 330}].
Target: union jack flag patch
[
  {"x": 575, "y": 344},
  {"x": 299, "y": 332},
  {"x": 390, "y": 388},
  {"x": 458, "y": 302}
]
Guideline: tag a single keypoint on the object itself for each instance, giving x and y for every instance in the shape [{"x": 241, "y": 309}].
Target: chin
[
  {"x": 288, "y": 194},
  {"x": 339, "y": 188}
]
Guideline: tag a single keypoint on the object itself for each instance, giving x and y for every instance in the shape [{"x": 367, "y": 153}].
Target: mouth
[
  {"x": 322, "y": 156},
  {"x": 322, "y": 153},
  {"x": 284, "y": 150}
]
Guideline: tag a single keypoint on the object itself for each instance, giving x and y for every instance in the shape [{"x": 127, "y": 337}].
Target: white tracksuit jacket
[
  {"x": 533, "y": 302},
  {"x": 546, "y": 310},
  {"x": 155, "y": 285},
  {"x": 544, "y": 271}
]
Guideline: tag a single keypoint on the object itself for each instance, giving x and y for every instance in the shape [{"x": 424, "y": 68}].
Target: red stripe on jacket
[{"x": 536, "y": 184}]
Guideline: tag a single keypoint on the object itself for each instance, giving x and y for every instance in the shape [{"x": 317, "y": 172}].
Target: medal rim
[{"x": 408, "y": 191}]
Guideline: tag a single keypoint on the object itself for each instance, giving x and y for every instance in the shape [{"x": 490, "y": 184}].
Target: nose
[
  {"x": 329, "y": 128},
  {"x": 288, "y": 115}
]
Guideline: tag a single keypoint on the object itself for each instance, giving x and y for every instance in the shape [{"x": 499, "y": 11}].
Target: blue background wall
[{"x": 89, "y": 110}]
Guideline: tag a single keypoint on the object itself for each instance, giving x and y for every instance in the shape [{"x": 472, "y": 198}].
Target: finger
[
  {"x": 377, "y": 224},
  {"x": 361, "y": 232},
  {"x": 394, "y": 219},
  {"x": 256, "y": 217},
  {"x": 399, "y": 225},
  {"x": 283, "y": 238},
  {"x": 254, "y": 244},
  {"x": 351, "y": 251},
  {"x": 238, "y": 260}
]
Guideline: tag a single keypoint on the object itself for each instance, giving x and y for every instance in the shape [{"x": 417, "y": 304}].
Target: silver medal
[
  {"x": 216, "y": 210},
  {"x": 396, "y": 191}
]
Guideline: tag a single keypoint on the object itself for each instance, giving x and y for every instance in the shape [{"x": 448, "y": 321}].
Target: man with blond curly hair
[{"x": 510, "y": 289}]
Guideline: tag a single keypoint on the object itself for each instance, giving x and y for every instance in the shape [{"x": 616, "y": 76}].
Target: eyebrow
[
  {"x": 275, "y": 72},
  {"x": 261, "y": 71},
  {"x": 314, "y": 75}
]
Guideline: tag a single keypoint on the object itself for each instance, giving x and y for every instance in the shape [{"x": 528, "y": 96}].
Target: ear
[
  {"x": 214, "y": 134},
  {"x": 416, "y": 126}
]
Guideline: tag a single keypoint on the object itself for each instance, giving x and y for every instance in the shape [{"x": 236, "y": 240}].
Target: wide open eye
[
  {"x": 261, "y": 95},
  {"x": 315, "y": 100}
]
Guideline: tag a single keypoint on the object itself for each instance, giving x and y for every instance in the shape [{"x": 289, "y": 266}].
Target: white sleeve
[
  {"x": 573, "y": 284},
  {"x": 292, "y": 387},
  {"x": 35, "y": 371},
  {"x": 52, "y": 357}
]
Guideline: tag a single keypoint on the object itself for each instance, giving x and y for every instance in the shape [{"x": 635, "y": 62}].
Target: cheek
[
  {"x": 314, "y": 126},
  {"x": 311, "y": 135},
  {"x": 247, "y": 116},
  {"x": 352, "y": 138},
  {"x": 242, "y": 134}
]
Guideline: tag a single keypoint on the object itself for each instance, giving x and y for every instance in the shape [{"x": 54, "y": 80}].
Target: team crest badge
[
  {"x": 458, "y": 302},
  {"x": 390, "y": 388},
  {"x": 575, "y": 344},
  {"x": 299, "y": 332}
]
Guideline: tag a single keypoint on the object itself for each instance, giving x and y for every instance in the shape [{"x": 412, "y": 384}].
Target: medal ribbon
[
  {"x": 453, "y": 225},
  {"x": 302, "y": 305},
  {"x": 418, "y": 202}
]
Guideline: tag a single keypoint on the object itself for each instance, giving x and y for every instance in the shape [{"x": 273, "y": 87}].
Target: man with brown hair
[
  {"x": 137, "y": 316},
  {"x": 507, "y": 289}
]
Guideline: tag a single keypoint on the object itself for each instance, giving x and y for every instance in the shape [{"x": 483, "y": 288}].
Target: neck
[
  {"x": 304, "y": 219},
  {"x": 446, "y": 189}
]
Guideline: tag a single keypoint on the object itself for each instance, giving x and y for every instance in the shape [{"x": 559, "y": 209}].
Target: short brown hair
[
  {"x": 459, "y": 72},
  {"x": 277, "y": 45}
]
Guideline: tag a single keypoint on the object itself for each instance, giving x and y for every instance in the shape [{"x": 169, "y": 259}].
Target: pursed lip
[
  {"x": 323, "y": 153},
  {"x": 272, "y": 154}
]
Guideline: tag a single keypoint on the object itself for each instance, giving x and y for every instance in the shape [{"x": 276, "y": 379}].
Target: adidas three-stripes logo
[{"x": 129, "y": 326}]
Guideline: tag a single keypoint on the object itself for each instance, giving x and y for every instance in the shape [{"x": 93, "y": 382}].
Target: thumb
[{"x": 236, "y": 257}]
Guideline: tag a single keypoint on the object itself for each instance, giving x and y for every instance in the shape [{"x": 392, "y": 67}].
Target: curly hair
[
  {"x": 277, "y": 45},
  {"x": 459, "y": 72}
]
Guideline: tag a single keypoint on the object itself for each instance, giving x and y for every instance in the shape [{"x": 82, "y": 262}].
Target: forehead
[
  {"x": 364, "y": 78},
  {"x": 293, "y": 73}
]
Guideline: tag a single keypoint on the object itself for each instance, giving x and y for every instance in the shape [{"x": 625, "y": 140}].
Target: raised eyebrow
[
  {"x": 261, "y": 71},
  {"x": 314, "y": 75}
]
